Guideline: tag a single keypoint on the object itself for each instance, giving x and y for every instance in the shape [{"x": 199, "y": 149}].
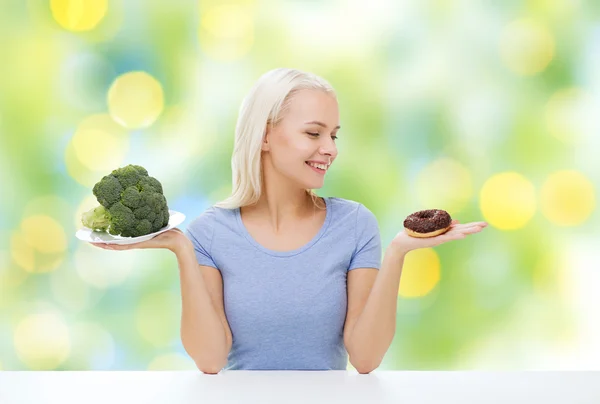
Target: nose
[
  {"x": 330, "y": 150},
  {"x": 328, "y": 156}
]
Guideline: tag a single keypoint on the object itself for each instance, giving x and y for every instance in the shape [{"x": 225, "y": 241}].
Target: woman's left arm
[{"x": 373, "y": 331}]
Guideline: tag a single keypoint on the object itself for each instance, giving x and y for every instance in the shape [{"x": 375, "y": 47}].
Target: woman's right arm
[{"x": 205, "y": 333}]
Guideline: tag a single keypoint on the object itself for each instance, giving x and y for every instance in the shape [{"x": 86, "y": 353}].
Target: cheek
[{"x": 297, "y": 145}]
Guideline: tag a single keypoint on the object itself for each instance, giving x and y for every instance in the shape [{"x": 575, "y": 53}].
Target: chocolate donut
[{"x": 427, "y": 223}]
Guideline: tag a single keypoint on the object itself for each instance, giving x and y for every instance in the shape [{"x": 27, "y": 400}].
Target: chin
[{"x": 311, "y": 184}]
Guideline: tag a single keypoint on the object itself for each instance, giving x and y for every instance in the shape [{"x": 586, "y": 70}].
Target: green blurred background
[{"x": 486, "y": 109}]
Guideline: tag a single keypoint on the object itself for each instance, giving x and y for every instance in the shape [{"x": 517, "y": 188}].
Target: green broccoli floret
[{"x": 132, "y": 203}]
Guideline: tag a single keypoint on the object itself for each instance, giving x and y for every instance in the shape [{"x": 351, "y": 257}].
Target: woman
[{"x": 275, "y": 277}]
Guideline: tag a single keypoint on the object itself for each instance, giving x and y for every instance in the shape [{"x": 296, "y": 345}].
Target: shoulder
[
  {"x": 206, "y": 222},
  {"x": 357, "y": 210},
  {"x": 343, "y": 206},
  {"x": 213, "y": 214},
  {"x": 205, "y": 218}
]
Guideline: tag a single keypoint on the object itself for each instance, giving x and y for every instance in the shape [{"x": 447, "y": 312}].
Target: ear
[{"x": 265, "y": 143}]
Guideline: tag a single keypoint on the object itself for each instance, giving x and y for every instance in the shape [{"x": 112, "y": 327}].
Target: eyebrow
[{"x": 321, "y": 124}]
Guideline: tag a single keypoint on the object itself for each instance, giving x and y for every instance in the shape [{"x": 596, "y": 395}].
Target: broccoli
[
  {"x": 132, "y": 203},
  {"x": 96, "y": 219}
]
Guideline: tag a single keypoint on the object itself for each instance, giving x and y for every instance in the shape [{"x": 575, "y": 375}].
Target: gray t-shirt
[{"x": 287, "y": 309}]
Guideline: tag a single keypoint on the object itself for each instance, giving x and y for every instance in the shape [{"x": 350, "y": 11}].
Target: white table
[{"x": 306, "y": 387}]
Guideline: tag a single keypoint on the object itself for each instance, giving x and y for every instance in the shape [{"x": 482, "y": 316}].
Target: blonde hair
[{"x": 264, "y": 105}]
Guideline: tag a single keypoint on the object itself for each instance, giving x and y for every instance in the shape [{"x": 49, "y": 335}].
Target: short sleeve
[
  {"x": 200, "y": 232},
  {"x": 367, "y": 253}
]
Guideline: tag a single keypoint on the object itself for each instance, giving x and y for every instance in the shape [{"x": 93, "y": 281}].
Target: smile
[{"x": 315, "y": 169}]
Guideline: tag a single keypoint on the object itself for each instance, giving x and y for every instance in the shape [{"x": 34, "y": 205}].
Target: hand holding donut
[{"x": 432, "y": 227}]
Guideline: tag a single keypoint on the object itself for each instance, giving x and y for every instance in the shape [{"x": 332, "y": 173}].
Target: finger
[
  {"x": 466, "y": 226},
  {"x": 471, "y": 230},
  {"x": 463, "y": 232}
]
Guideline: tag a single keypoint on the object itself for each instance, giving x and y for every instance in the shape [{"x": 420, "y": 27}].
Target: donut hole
[{"x": 425, "y": 215}]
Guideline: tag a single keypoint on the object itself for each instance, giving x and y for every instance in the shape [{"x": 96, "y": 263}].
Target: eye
[{"x": 316, "y": 134}]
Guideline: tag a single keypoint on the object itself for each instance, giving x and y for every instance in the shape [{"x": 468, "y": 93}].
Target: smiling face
[{"x": 306, "y": 133}]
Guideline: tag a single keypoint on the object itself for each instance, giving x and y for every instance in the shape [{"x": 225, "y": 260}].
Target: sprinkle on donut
[{"x": 427, "y": 223}]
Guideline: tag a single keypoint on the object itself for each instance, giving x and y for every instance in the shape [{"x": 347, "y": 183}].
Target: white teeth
[{"x": 321, "y": 166}]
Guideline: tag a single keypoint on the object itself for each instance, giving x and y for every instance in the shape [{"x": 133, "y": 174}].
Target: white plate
[{"x": 89, "y": 235}]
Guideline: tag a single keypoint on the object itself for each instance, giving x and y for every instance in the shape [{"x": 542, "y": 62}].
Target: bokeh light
[
  {"x": 42, "y": 341},
  {"x": 420, "y": 273},
  {"x": 44, "y": 234},
  {"x": 101, "y": 268},
  {"x": 172, "y": 130},
  {"x": 526, "y": 46},
  {"x": 22, "y": 253},
  {"x": 99, "y": 143},
  {"x": 567, "y": 115},
  {"x": 445, "y": 183},
  {"x": 156, "y": 320},
  {"x": 507, "y": 201},
  {"x": 135, "y": 100},
  {"x": 39, "y": 245},
  {"x": 226, "y": 31},
  {"x": 11, "y": 278},
  {"x": 567, "y": 198},
  {"x": 92, "y": 347},
  {"x": 71, "y": 292},
  {"x": 78, "y": 15},
  {"x": 51, "y": 205}
]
